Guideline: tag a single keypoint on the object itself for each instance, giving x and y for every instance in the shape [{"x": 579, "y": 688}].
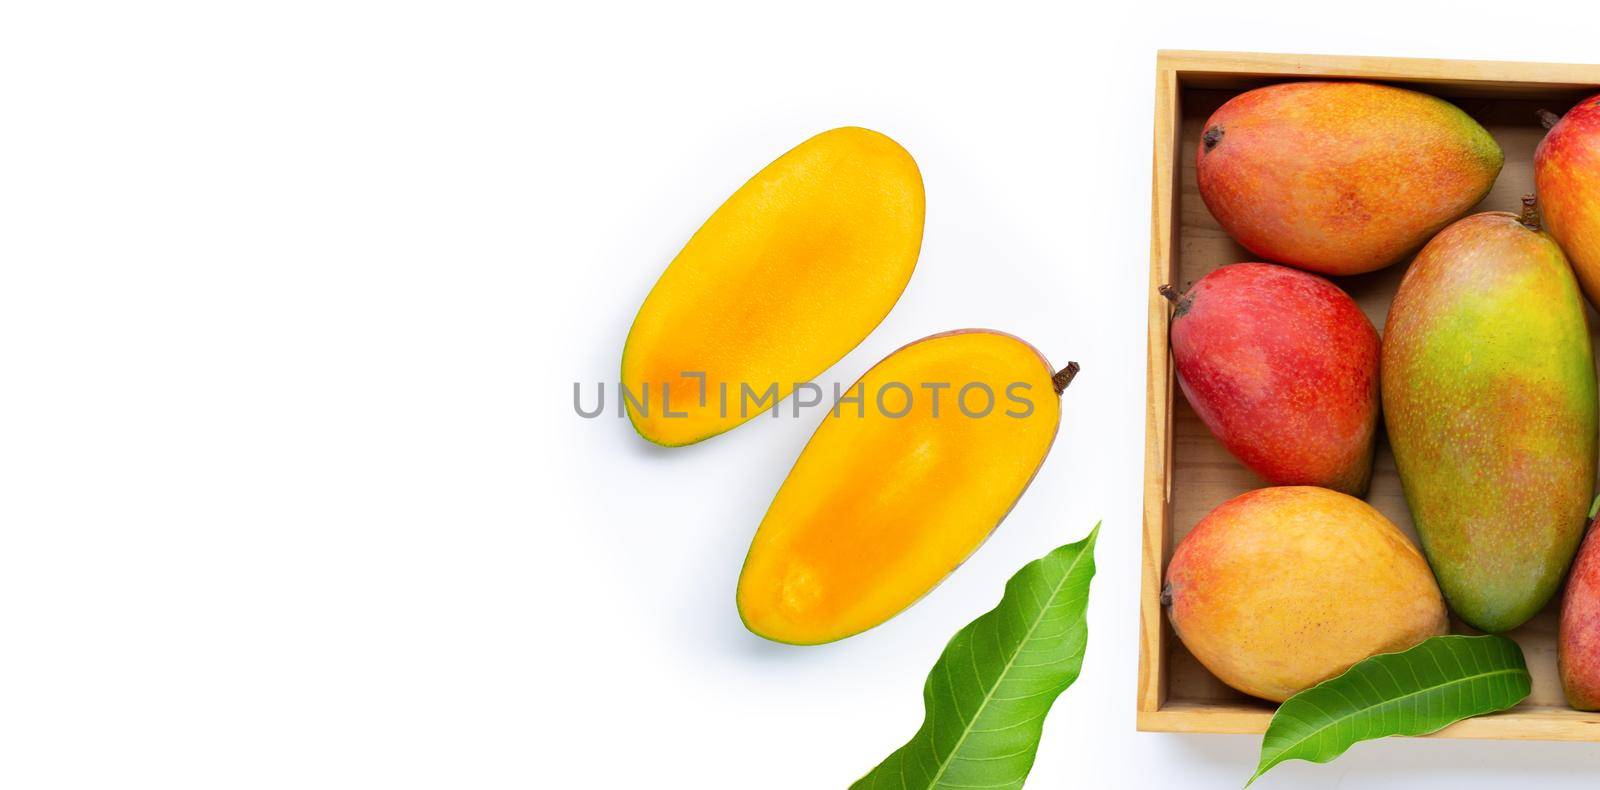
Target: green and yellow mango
[{"x": 1489, "y": 396}]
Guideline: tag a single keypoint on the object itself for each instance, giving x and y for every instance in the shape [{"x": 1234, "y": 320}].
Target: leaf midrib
[
  {"x": 966, "y": 730},
  {"x": 1419, "y": 692}
]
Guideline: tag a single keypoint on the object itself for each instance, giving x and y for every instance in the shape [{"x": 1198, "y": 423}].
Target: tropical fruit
[
  {"x": 793, "y": 271},
  {"x": 1566, "y": 170},
  {"x": 1579, "y": 650},
  {"x": 1283, "y": 368},
  {"x": 898, "y": 487},
  {"x": 1341, "y": 177},
  {"x": 1489, "y": 396},
  {"x": 1279, "y": 589}
]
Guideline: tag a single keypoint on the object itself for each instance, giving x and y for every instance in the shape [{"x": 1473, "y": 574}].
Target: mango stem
[
  {"x": 1168, "y": 291},
  {"x": 1549, "y": 119},
  {"x": 1064, "y": 376},
  {"x": 1530, "y": 212}
]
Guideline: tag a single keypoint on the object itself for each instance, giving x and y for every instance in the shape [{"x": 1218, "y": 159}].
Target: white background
[{"x": 292, "y": 297}]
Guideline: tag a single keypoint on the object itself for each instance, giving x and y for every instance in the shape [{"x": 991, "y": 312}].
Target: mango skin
[
  {"x": 793, "y": 271},
  {"x": 1579, "y": 651},
  {"x": 1566, "y": 170},
  {"x": 1279, "y": 589},
  {"x": 1341, "y": 177},
  {"x": 1489, "y": 395},
  {"x": 878, "y": 510},
  {"x": 1282, "y": 366}
]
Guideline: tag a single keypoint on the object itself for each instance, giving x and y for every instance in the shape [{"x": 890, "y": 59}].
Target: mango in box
[
  {"x": 896, "y": 490},
  {"x": 783, "y": 280},
  {"x": 1341, "y": 177},
  {"x": 1579, "y": 638},
  {"x": 1279, "y": 589},
  {"x": 1490, "y": 400},
  {"x": 1566, "y": 170},
  {"x": 1282, "y": 366}
]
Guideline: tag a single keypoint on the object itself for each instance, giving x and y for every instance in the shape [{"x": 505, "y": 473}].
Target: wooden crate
[{"x": 1187, "y": 472}]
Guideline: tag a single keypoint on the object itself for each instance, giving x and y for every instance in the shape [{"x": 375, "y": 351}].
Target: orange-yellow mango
[
  {"x": 880, "y": 508},
  {"x": 784, "y": 279},
  {"x": 1282, "y": 588},
  {"x": 1341, "y": 177}
]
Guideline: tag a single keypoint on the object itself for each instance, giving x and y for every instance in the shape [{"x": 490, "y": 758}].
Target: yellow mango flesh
[
  {"x": 1282, "y": 588},
  {"x": 878, "y": 510},
  {"x": 783, "y": 280}
]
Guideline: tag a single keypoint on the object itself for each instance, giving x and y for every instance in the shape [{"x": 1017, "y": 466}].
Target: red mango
[
  {"x": 1580, "y": 626},
  {"x": 1566, "y": 170},
  {"x": 1282, "y": 366}
]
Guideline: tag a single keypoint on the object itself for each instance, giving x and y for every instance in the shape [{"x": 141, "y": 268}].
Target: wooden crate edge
[
  {"x": 1487, "y": 73},
  {"x": 1158, "y": 396}
]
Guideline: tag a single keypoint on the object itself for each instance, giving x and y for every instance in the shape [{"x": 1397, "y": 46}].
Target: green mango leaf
[
  {"x": 991, "y": 687},
  {"x": 1413, "y": 692}
]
